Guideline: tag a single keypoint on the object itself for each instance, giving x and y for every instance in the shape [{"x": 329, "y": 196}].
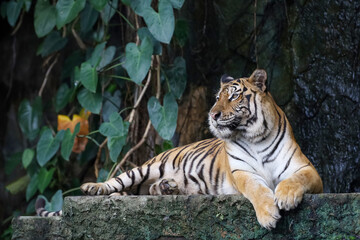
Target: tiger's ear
[
  {"x": 225, "y": 79},
  {"x": 258, "y": 79}
]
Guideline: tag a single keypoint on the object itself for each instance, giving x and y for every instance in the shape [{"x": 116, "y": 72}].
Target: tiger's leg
[
  {"x": 167, "y": 186},
  {"x": 289, "y": 192},
  {"x": 124, "y": 181},
  {"x": 254, "y": 188}
]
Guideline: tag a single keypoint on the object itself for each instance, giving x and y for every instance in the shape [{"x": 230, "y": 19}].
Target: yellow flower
[{"x": 64, "y": 123}]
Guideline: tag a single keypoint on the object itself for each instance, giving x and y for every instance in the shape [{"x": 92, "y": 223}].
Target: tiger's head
[{"x": 240, "y": 107}]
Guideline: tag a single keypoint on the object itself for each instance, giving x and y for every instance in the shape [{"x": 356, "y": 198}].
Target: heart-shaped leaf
[
  {"x": 106, "y": 57},
  {"x": 90, "y": 101},
  {"x": 111, "y": 104},
  {"x": 177, "y": 3},
  {"x": 48, "y": 146},
  {"x": 68, "y": 142},
  {"x": 108, "y": 11},
  {"x": 27, "y": 157},
  {"x": 45, "y": 178},
  {"x": 62, "y": 97},
  {"x": 116, "y": 130},
  {"x": 52, "y": 43},
  {"x": 13, "y": 10},
  {"x": 98, "y": 4},
  {"x": 139, "y": 6},
  {"x": 144, "y": 32},
  {"x": 45, "y": 17},
  {"x": 32, "y": 187},
  {"x": 96, "y": 54},
  {"x": 161, "y": 24},
  {"x": 138, "y": 59},
  {"x": 163, "y": 118},
  {"x": 88, "y": 18},
  {"x": 67, "y": 10},
  {"x": 30, "y": 117},
  {"x": 88, "y": 77},
  {"x": 177, "y": 77}
]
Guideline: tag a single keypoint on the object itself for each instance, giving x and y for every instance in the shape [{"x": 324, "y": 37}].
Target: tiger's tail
[{"x": 42, "y": 212}]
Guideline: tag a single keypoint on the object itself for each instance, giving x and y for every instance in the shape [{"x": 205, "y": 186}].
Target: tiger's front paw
[
  {"x": 267, "y": 214},
  {"x": 94, "y": 189},
  {"x": 288, "y": 194}
]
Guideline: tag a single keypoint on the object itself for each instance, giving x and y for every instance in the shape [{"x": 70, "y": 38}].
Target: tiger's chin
[{"x": 220, "y": 131}]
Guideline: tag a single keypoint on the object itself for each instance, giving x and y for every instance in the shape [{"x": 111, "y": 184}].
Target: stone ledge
[{"x": 323, "y": 216}]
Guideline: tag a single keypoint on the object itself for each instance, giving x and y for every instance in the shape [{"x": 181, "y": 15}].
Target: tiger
[{"x": 254, "y": 153}]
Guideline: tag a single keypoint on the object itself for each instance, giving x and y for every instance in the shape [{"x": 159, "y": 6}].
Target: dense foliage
[{"x": 101, "y": 87}]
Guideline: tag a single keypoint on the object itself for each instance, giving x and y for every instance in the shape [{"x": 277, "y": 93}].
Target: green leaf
[
  {"x": 48, "y": 146},
  {"x": 13, "y": 162},
  {"x": 96, "y": 55},
  {"x": 113, "y": 128},
  {"x": 177, "y": 77},
  {"x": 107, "y": 56},
  {"x": 45, "y": 178},
  {"x": 102, "y": 175},
  {"x": 67, "y": 10},
  {"x": 52, "y": 43},
  {"x": 163, "y": 118},
  {"x": 27, "y": 157},
  {"x": 32, "y": 187},
  {"x": 88, "y": 76},
  {"x": 139, "y": 6},
  {"x": 18, "y": 185},
  {"x": 177, "y": 3},
  {"x": 144, "y": 32},
  {"x": 45, "y": 18},
  {"x": 30, "y": 117},
  {"x": 68, "y": 142},
  {"x": 13, "y": 10},
  {"x": 56, "y": 201},
  {"x": 138, "y": 59},
  {"x": 98, "y": 4},
  {"x": 90, "y": 101},
  {"x": 161, "y": 24},
  {"x": 111, "y": 104},
  {"x": 108, "y": 11},
  {"x": 27, "y": 4},
  {"x": 3, "y": 8},
  {"x": 88, "y": 18},
  {"x": 62, "y": 97},
  {"x": 116, "y": 130},
  {"x": 182, "y": 32}
]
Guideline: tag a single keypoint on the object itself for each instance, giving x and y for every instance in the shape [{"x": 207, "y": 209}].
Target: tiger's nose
[{"x": 215, "y": 115}]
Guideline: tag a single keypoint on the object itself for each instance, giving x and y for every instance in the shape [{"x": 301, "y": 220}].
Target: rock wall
[{"x": 323, "y": 216}]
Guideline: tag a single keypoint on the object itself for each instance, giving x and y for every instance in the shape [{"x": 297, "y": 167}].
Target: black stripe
[
  {"x": 47, "y": 214},
  {"x": 42, "y": 211},
  {"x": 201, "y": 176},
  {"x": 242, "y": 147},
  {"x": 132, "y": 178},
  {"x": 277, "y": 144},
  {"x": 143, "y": 179},
  {"x": 118, "y": 179},
  {"x": 277, "y": 134},
  {"x": 177, "y": 155},
  {"x": 161, "y": 169},
  {"x": 213, "y": 148},
  {"x": 140, "y": 172},
  {"x": 217, "y": 180},
  {"x": 192, "y": 178},
  {"x": 239, "y": 159},
  {"x": 288, "y": 162},
  {"x": 307, "y": 165},
  {"x": 212, "y": 164}
]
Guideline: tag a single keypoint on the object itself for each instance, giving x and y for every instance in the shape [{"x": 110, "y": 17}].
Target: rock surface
[{"x": 323, "y": 216}]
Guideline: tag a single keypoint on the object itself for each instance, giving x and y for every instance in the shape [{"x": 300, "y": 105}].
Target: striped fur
[
  {"x": 42, "y": 212},
  {"x": 254, "y": 154}
]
